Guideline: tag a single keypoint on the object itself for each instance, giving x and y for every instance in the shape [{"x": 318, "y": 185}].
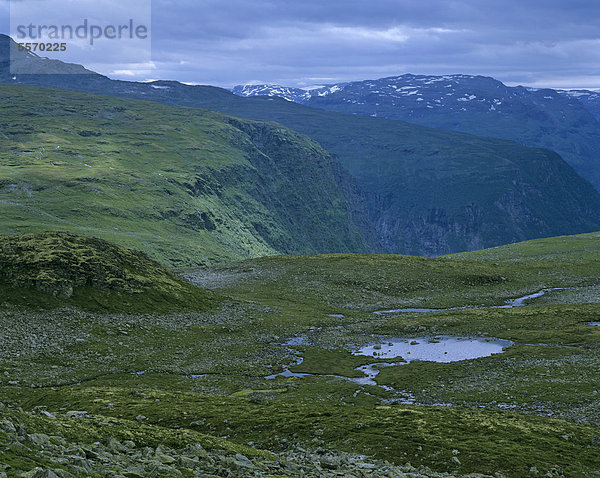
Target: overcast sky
[{"x": 554, "y": 43}]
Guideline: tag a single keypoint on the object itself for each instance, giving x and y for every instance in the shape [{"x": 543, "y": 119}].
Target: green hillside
[
  {"x": 432, "y": 191},
  {"x": 579, "y": 249},
  {"x": 186, "y": 186},
  {"x": 52, "y": 270},
  {"x": 426, "y": 191},
  {"x": 340, "y": 283}
]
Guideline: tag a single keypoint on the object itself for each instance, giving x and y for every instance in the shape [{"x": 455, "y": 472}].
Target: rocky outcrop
[{"x": 65, "y": 457}]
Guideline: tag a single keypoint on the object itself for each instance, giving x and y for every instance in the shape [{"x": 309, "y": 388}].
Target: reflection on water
[
  {"x": 439, "y": 349},
  {"x": 442, "y": 349}
]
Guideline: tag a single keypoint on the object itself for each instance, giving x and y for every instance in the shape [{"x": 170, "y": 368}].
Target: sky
[{"x": 549, "y": 43}]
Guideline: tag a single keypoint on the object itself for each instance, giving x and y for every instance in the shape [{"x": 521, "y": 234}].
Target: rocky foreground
[{"x": 58, "y": 455}]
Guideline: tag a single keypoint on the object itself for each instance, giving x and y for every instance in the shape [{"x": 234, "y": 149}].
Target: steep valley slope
[
  {"x": 421, "y": 190},
  {"x": 187, "y": 186},
  {"x": 546, "y": 118}
]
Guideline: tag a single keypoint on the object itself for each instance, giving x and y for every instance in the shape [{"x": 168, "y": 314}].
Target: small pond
[{"x": 439, "y": 349}]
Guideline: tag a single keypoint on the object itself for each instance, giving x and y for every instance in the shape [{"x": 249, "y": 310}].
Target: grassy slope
[
  {"x": 59, "y": 269},
  {"x": 342, "y": 282},
  {"x": 432, "y": 191},
  {"x": 577, "y": 248},
  {"x": 485, "y": 441},
  {"x": 428, "y": 191},
  {"x": 550, "y": 370},
  {"x": 186, "y": 186}
]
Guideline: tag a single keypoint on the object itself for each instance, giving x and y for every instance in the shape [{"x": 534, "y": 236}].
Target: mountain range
[
  {"x": 589, "y": 98},
  {"x": 377, "y": 185},
  {"x": 563, "y": 121},
  {"x": 196, "y": 283}
]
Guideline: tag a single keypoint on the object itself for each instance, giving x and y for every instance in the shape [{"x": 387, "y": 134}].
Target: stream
[
  {"x": 510, "y": 303},
  {"x": 439, "y": 349},
  {"x": 443, "y": 349}
]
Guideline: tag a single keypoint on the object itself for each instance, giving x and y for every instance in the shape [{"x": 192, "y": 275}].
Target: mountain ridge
[
  {"x": 566, "y": 123},
  {"x": 589, "y": 98},
  {"x": 428, "y": 191}
]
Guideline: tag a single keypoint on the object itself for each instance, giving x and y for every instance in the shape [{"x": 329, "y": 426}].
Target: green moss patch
[{"x": 57, "y": 269}]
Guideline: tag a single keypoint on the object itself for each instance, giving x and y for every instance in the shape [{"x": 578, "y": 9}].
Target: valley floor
[{"x": 201, "y": 394}]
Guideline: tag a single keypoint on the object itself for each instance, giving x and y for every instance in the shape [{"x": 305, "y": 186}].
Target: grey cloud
[
  {"x": 298, "y": 43},
  {"x": 238, "y": 41}
]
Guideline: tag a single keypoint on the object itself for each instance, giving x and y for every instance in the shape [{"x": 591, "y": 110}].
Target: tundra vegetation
[{"x": 92, "y": 386}]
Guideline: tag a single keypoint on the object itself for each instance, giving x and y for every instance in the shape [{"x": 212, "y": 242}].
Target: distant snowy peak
[
  {"x": 411, "y": 96},
  {"x": 403, "y": 86},
  {"x": 418, "y": 94},
  {"x": 586, "y": 94},
  {"x": 296, "y": 95},
  {"x": 409, "y": 78},
  {"x": 409, "y": 85}
]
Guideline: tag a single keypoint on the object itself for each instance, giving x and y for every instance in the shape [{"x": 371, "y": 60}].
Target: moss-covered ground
[
  {"x": 57, "y": 269},
  {"x": 535, "y": 405}
]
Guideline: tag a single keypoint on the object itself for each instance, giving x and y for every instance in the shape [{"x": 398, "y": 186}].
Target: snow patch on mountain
[
  {"x": 414, "y": 94},
  {"x": 296, "y": 95}
]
